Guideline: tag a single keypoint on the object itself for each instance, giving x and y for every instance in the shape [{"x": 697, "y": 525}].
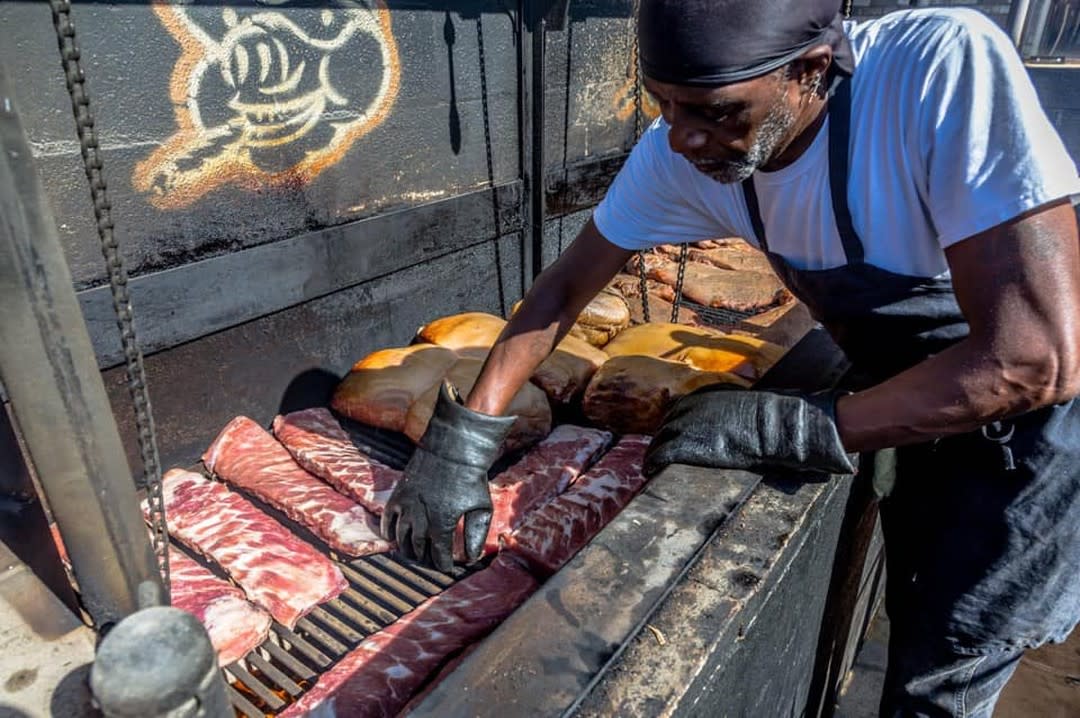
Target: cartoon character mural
[{"x": 269, "y": 97}]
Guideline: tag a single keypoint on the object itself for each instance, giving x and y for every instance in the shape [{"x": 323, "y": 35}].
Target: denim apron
[{"x": 982, "y": 530}]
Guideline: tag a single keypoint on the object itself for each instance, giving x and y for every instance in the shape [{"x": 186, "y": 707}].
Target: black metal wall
[{"x": 297, "y": 184}]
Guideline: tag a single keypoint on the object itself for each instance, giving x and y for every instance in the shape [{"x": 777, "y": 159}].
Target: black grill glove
[
  {"x": 727, "y": 427},
  {"x": 446, "y": 478}
]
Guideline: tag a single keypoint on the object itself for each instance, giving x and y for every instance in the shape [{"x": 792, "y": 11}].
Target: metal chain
[
  {"x": 643, "y": 283},
  {"x": 847, "y": 8},
  {"x": 489, "y": 155},
  {"x": 118, "y": 280},
  {"x": 684, "y": 256}
]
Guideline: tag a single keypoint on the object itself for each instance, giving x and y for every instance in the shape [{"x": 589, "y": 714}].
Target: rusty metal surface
[{"x": 57, "y": 395}]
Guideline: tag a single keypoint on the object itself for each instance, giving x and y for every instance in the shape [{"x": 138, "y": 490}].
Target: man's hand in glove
[
  {"x": 732, "y": 428},
  {"x": 447, "y": 478}
]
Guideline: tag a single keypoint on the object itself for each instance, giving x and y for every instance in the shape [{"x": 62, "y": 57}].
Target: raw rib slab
[
  {"x": 319, "y": 444},
  {"x": 235, "y": 626},
  {"x": 380, "y": 675},
  {"x": 245, "y": 455},
  {"x": 551, "y": 535},
  {"x": 277, "y": 570},
  {"x": 539, "y": 476}
]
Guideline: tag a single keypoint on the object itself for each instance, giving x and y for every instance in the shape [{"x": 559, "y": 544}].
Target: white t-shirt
[{"x": 948, "y": 139}]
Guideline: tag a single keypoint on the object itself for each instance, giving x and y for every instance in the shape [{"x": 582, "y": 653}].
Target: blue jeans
[
  {"x": 941, "y": 684},
  {"x": 982, "y": 548}
]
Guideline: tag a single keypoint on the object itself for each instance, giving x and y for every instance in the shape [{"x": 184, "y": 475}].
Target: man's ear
[{"x": 811, "y": 68}]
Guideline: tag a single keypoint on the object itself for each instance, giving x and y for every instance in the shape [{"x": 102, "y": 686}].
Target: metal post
[
  {"x": 48, "y": 367},
  {"x": 1018, "y": 12}
]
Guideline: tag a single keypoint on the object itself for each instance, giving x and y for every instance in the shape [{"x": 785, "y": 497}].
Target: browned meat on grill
[
  {"x": 540, "y": 475},
  {"x": 235, "y": 626},
  {"x": 277, "y": 570},
  {"x": 381, "y": 387},
  {"x": 562, "y": 375},
  {"x": 629, "y": 285},
  {"x": 551, "y": 535},
  {"x": 740, "y": 257},
  {"x": 632, "y": 394},
  {"x": 380, "y": 675},
  {"x": 247, "y": 456},
  {"x": 319, "y": 444},
  {"x": 718, "y": 288},
  {"x": 722, "y": 243}
]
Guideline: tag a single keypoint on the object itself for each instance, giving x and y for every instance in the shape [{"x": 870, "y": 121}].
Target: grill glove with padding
[
  {"x": 446, "y": 479},
  {"x": 726, "y": 427}
]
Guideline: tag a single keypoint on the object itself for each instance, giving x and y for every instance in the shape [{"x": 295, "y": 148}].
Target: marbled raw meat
[
  {"x": 319, "y": 444},
  {"x": 551, "y": 535},
  {"x": 245, "y": 455},
  {"x": 234, "y": 625},
  {"x": 540, "y": 475},
  {"x": 277, "y": 571},
  {"x": 378, "y": 677}
]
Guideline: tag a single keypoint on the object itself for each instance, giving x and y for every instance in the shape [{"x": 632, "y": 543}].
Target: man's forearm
[
  {"x": 529, "y": 337},
  {"x": 955, "y": 391},
  {"x": 545, "y": 316}
]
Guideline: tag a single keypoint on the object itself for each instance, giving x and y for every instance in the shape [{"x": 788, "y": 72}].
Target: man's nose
[{"x": 684, "y": 138}]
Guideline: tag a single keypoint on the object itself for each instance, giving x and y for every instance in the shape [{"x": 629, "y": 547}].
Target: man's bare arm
[
  {"x": 550, "y": 308},
  {"x": 1018, "y": 285}
]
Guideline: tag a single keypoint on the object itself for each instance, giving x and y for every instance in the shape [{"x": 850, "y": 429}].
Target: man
[{"x": 906, "y": 185}]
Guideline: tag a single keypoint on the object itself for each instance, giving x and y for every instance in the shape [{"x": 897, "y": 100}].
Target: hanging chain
[
  {"x": 635, "y": 69},
  {"x": 684, "y": 256},
  {"x": 489, "y": 156},
  {"x": 847, "y": 8},
  {"x": 118, "y": 280}
]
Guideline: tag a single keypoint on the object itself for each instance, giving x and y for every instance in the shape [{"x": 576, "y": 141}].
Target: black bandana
[{"x": 717, "y": 42}]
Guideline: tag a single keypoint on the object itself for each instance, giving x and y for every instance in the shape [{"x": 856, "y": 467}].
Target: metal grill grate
[
  {"x": 381, "y": 589},
  {"x": 719, "y": 317}
]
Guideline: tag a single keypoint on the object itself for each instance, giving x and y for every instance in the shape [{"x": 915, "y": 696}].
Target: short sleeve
[
  {"x": 990, "y": 151},
  {"x": 652, "y": 200}
]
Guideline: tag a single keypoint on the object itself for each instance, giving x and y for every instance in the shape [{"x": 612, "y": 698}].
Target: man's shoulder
[{"x": 920, "y": 37}]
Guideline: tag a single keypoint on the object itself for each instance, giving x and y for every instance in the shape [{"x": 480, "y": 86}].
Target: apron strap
[{"x": 839, "y": 130}]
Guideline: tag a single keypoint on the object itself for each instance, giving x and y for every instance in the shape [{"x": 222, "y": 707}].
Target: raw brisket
[
  {"x": 543, "y": 473},
  {"x": 235, "y": 626},
  {"x": 277, "y": 570},
  {"x": 380, "y": 675},
  {"x": 319, "y": 444},
  {"x": 247, "y": 456},
  {"x": 551, "y": 535}
]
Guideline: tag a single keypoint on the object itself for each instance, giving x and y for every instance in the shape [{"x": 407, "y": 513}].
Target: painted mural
[
  {"x": 624, "y": 102},
  {"x": 269, "y": 96}
]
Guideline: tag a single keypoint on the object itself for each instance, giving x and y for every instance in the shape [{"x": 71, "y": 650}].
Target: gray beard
[{"x": 773, "y": 130}]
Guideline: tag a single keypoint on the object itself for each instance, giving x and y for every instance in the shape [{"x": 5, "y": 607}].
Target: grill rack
[
  {"x": 381, "y": 589},
  {"x": 279, "y": 671},
  {"x": 719, "y": 317}
]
